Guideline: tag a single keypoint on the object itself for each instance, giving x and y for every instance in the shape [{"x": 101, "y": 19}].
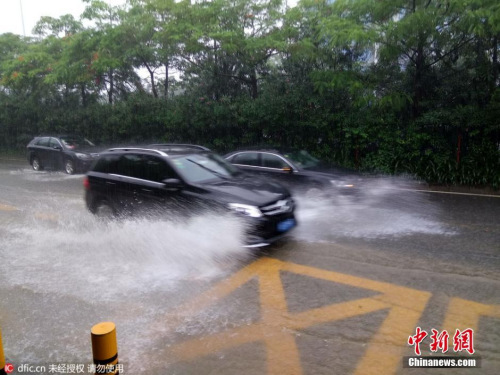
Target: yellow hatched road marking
[
  {"x": 463, "y": 314},
  {"x": 277, "y": 325}
]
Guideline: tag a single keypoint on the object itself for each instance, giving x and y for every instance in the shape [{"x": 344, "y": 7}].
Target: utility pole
[{"x": 22, "y": 16}]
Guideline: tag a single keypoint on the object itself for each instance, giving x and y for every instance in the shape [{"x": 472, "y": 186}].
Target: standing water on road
[{"x": 62, "y": 270}]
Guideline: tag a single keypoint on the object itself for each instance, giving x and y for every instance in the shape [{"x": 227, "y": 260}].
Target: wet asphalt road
[{"x": 354, "y": 281}]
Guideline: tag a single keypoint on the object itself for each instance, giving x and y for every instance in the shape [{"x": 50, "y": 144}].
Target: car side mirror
[
  {"x": 57, "y": 147},
  {"x": 173, "y": 184},
  {"x": 287, "y": 169}
]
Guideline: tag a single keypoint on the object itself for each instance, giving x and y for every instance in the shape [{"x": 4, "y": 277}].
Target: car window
[
  {"x": 247, "y": 158},
  {"x": 145, "y": 167},
  {"x": 302, "y": 159},
  {"x": 130, "y": 165},
  {"x": 273, "y": 161},
  {"x": 107, "y": 164},
  {"x": 204, "y": 167},
  {"x": 44, "y": 141},
  {"x": 54, "y": 142},
  {"x": 73, "y": 143},
  {"x": 156, "y": 169}
]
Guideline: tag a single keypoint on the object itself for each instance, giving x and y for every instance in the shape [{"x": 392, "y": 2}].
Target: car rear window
[
  {"x": 247, "y": 158},
  {"x": 107, "y": 164},
  {"x": 144, "y": 167}
]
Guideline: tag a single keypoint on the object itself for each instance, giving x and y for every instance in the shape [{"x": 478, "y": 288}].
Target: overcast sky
[{"x": 11, "y": 19}]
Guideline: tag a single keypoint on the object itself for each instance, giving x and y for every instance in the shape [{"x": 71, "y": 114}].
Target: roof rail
[
  {"x": 179, "y": 145},
  {"x": 137, "y": 149}
]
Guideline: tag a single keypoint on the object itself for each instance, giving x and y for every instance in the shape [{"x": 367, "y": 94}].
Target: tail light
[{"x": 86, "y": 183}]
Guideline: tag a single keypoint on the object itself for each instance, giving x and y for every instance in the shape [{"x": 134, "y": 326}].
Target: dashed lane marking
[
  {"x": 46, "y": 217},
  {"x": 37, "y": 215},
  {"x": 7, "y": 207},
  {"x": 448, "y": 192}
]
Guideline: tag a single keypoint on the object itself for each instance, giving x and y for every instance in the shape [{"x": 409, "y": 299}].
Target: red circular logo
[{"x": 9, "y": 367}]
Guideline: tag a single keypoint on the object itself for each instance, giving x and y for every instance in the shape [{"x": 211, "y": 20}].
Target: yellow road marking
[
  {"x": 463, "y": 314},
  {"x": 43, "y": 216},
  {"x": 37, "y": 215},
  {"x": 277, "y": 326},
  {"x": 6, "y": 207}
]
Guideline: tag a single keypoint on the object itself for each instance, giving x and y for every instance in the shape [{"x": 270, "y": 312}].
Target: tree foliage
[{"x": 399, "y": 86}]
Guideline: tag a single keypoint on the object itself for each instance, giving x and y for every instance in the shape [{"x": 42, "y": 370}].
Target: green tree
[
  {"x": 115, "y": 72},
  {"x": 236, "y": 41}
]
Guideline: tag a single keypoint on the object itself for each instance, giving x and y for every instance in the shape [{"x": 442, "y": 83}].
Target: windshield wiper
[{"x": 209, "y": 169}]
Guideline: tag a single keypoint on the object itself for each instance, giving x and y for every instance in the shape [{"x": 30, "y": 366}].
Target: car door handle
[
  {"x": 110, "y": 183},
  {"x": 147, "y": 190}
]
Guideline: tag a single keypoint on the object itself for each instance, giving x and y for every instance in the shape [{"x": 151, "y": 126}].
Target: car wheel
[
  {"x": 104, "y": 211},
  {"x": 69, "y": 166},
  {"x": 35, "y": 164}
]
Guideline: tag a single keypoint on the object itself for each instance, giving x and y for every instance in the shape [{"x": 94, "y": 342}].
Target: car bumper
[{"x": 264, "y": 231}]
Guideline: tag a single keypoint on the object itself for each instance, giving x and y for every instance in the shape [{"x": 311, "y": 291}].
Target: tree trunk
[
  {"x": 84, "y": 95},
  {"x": 153, "y": 84},
  {"x": 166, "y": 80},
  {"x": 495, "y": 65},
  {"x": 418, "y": 80},
  {"x": 253, "y": 85},
  {"x": 111, "y": 86}
]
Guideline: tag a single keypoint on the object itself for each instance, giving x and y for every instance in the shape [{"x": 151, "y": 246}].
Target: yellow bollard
[
  {"x": 105, "y": 348},
  {"x": 2, "y": 357}
]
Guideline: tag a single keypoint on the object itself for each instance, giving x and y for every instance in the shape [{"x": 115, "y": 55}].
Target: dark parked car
[
  {"x": 126, "y": 181},
  {"x": 67, "y": 152},
  {"x": 296, "y": 169}
]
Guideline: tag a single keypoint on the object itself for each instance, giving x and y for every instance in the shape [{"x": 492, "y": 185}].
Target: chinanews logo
[{"x": 9, "y": 367}]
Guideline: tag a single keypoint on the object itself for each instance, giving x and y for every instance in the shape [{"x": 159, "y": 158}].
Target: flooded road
[{"x": 188, "y": 299}]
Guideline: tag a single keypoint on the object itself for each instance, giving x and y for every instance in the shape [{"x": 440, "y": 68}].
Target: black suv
[
  {"x": 67, "y": 152},
  {"x": 145, "y": 180}
]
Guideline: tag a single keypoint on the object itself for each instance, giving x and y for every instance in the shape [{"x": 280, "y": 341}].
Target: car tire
[
  {"x": 103, "y": 210},
  {"x": 35, "y": 164},
  {"x": 69, "y": 166}
]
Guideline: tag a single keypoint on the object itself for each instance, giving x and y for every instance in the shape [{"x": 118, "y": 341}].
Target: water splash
[
  {"x": 73, "y": 248},
  {"x": 378, "y": 208}
]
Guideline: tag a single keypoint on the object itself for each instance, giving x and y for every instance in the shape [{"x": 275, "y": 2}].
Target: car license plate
[{"x": 285, "y": 225}]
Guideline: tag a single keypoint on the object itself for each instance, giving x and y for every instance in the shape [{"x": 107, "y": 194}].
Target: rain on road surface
[{"x": 342, "y": 296}]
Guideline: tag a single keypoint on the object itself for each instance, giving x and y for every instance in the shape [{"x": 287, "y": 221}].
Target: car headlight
[
  {"x": 245, "y": 209},
  {"x": 82, "y": 156},
  {"x": 341, "y": 184}
]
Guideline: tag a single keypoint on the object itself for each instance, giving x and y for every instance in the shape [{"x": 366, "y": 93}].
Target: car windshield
[
  {"x": 204, "y": 167},
  {"x": 302, "y": 159},
  {"x": 74, "y": 143}
]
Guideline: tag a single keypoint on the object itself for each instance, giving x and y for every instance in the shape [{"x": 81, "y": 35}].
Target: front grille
[{"x": 278, "y": 207}]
